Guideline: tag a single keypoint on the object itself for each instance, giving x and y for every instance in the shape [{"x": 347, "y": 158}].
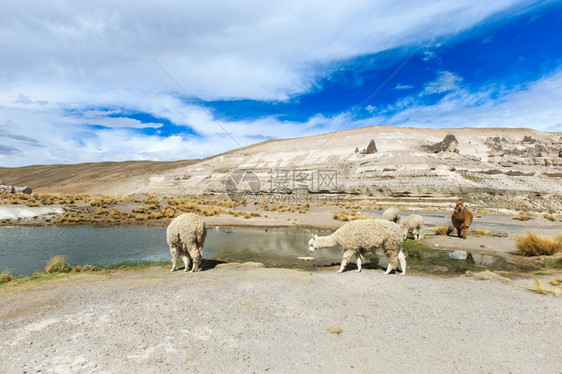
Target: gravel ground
[{"x": 243, "y": 318}]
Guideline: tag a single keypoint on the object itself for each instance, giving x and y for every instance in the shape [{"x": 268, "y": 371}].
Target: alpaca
[
  {"x": 392, "y": 215},
  {"x": 365, "y": 235},
  {"x": 462, "y": 219},
  {"x": 413, "y": 223},
  {"x": 185, "y": 236}
]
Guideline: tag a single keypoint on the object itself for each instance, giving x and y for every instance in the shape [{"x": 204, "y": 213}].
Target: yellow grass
[
  {"x": 540, "y": 287},
  {"x": 479, "y": 231},
  {"x": 550, "y": 217},
  {"x": 543, "y": 289},
  {"x": 533, "y": 244},
  {"x": 6, "y": 276},
  {"x": 441, "y": 229},
  {"x": 335, "y": 330},
  {"x": 523, "y": 216},
  {"x": 57, "y": 264}
]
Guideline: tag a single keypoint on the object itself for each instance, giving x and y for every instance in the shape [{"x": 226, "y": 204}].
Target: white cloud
[
  {"x": 535, "y": 105},
  {"x": 445, "y": 82},
  {"x": 403, "y": 87},
  {"x": 216, "y": 49},
  {"x": 68, "y": 56}
]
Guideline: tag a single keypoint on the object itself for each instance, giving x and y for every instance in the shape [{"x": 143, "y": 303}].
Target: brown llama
[{"x": 462, "y": 219}]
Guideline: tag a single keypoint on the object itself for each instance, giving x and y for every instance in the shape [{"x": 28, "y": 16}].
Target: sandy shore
[{"x": 242, "y": 318}]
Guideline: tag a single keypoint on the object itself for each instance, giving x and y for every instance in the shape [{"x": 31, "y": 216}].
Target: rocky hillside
[{"x": 515, "y": 168}]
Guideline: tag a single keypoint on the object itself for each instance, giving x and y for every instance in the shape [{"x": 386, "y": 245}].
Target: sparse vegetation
[
  {"x": 543, "y": 288},
  {"x": 6, "y": 276},
  {"x": 344, "y": 215},
  {"x": 540, "y": 287},
  {"x": 335, "y": 330},
  {"x": 442, "y": 229},
  {"x": 57, "y": 264},
  {"x": 550, "y": 217},
  {"x": 479, "y": 231},
  {"x": 523, "y": 216},
  {"x": 533, "y": 244}
]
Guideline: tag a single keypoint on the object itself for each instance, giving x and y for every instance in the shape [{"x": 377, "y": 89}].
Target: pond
[{"x": 26, "y": 249}]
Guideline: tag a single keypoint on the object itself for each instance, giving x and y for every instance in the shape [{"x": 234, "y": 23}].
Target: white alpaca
[
  {"x": 392, "y": 215},
  {"x": 413, "y": 223},
  {"x": 362, "y": 236},
  {"x": 185, "y": 236}
]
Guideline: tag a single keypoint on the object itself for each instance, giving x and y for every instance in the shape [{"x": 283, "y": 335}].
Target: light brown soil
[{"x": 241, "y": 318}]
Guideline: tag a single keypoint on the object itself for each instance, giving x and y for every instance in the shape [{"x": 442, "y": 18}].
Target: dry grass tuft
[
  {"x": 479, "y": 231},
  {"x": 543, "y": 289},
  {"x": 442, "y": 229},
  {"x": 335, "y": 330},
  {"x": 533, "y": 244},
  {"x": 523, "y": 216},
  {"x": 6, "y": 276},
  {"x": 540, "y": 287},
  {"x": 550, "y": 217},
  {"x": 57, "y": 264}
]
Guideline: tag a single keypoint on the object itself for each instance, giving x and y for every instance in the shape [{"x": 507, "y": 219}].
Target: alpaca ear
[{"x": 314, "y": 236}]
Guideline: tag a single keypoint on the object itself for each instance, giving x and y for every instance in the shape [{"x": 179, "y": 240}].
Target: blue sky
[{"x": 168, "y": 80}]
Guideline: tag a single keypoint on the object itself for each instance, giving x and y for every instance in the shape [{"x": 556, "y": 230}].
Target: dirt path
[{"x": 242, "y": 318}]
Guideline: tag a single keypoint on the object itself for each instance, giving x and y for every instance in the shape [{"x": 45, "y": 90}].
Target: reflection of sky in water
[{"x": 26, "y": 249}]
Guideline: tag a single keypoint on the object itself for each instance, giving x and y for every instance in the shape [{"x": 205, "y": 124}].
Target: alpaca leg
[
  {"x": 185, "y": 262},
  {"x": 196, "y": 257},
  {"x": 174, "y": 255},
  {"x": 347, "y": 256},
  {"x": 392, "y": 261},
  {"x": 196, "y": 264},
  {"x": 388, "y": 269},
  {"x": 464, "y": 232},
  {"x": 420, "y": 230},
  {"x": 402, "y": 260},
  {"x": 358, "y": 263}
]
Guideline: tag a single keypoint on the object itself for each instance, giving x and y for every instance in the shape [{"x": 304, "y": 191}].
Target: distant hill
[
  {"x": 515, "y": 167},
  {"x": 93, "y": 178}
]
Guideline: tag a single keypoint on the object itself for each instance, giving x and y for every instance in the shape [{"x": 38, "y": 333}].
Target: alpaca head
[
  {"x": 459, "y": 207},
  {"x": 312, "y": 245}
]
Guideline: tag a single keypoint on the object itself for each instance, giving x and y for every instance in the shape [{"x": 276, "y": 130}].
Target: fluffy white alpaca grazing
[
  {"x": 186, "y": 236},
  {"x": 362, "y": 236},
  {"x": 413, "y": 223}
]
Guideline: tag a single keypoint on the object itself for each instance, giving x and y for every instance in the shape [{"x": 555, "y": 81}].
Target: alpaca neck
[{"x": 326, "y": 241}]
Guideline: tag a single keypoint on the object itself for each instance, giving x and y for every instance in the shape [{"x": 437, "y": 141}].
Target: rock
[
  {"x": 371, "y": 148},
  {"x": 488, "y": 275},
  {"x": 458, "y": 255},
  {"x": 12, "y": 189},
  {"x": 24, "y": 190},
  {"x": 7, "y": 189},
  {"x": 497, "y": 150},
  {"x": 305, "y": 258},
  {"x": 449, "y": 144}
]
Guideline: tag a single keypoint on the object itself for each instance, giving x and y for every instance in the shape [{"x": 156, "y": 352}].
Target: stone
[
  {"x": 371, "y": 148},
  {"x": 458, "y": 255},
  {"x": 448, "y": 144}
]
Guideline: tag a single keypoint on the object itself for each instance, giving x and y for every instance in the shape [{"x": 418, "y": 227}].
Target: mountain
[{"x": 495, "y": 166}]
